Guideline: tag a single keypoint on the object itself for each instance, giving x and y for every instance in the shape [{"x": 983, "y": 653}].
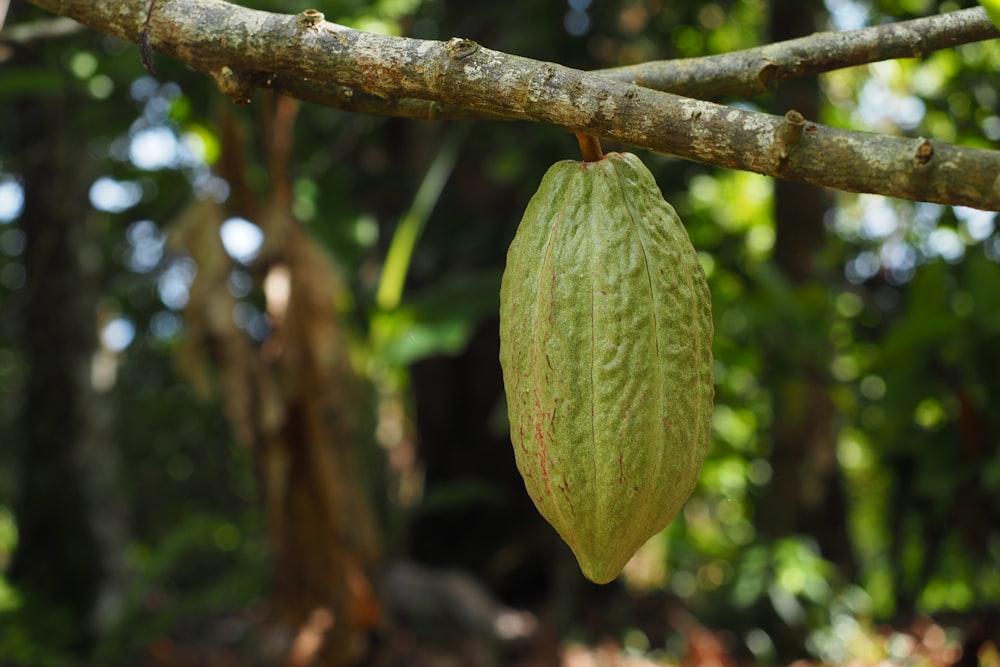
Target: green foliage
[
  {"x": 18, "y": 646},
  {"x": 992, "y": 8},
  {"x": 437, "y": 321},
  {"x": 10, "y": 598},
  {"x": 909, "y": 360},
  {"x": 203, "y": 568}
]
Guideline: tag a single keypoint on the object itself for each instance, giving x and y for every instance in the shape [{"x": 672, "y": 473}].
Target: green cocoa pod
[{"x": 606, "y": 348}]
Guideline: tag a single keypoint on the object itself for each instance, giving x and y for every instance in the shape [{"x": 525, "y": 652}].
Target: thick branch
[
  {"x": 306, "y": 56},
  {"x": 757, "y": 70},
  {"x": 747, "y": 72}
]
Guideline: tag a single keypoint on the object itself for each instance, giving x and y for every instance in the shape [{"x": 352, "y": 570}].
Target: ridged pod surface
[{"x": 606, "y": 347}]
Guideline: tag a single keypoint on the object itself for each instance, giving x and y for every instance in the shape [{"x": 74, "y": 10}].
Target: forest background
[{"x": 251, "y": 410}]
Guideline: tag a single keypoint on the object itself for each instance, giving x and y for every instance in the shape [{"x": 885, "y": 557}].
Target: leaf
[
  {"x": 439, "y": 321},
  {"x": 406, "y": 337}
]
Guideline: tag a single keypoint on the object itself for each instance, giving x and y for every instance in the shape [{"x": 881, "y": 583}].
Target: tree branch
[
  {"x": 307, "y": 57},
  {"x": 746, "y": 72},
  {"x": 757, "y": 70},
  {"x": 25, "y": 34}
]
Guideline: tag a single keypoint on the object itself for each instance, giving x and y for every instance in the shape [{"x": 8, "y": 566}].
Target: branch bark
[
  {"x": 760, "y": 69},
  {"x": 307, "y": 57}
]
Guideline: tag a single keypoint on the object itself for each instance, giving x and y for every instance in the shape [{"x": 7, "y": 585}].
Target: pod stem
[{"x": 590, "y": 146}]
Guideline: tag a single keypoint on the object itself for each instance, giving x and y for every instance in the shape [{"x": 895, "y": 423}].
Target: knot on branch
[
  {"x": 788, "y": 132},
  {"x": 458, "y": 48},
  {"x": 310, "y": 18},
  {"x": 237, "y": 85},
  {"x": 924, "y": 153},
  {"x": 768, "y": 77}
]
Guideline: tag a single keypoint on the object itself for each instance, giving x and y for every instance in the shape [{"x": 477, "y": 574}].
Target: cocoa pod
[{"x": 606, "y": 348}]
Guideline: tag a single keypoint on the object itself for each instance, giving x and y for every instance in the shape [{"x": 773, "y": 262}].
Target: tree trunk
[
  {"x": 294, "y": 400},
  {"x": 322, "y": 529},
  {"x": 807, "y": 494},
  {"x": 69, "y": 534}
]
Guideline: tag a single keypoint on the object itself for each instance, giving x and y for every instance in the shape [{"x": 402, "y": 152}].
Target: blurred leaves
[
  {"x": 992, "y": 8},
  {"x": 436, "y": 322}
]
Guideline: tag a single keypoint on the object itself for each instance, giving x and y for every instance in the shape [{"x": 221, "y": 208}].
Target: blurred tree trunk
[
  {"x": 294, "y": 399},
  {"x": 806, "y": 495},
  {"x": 322, "y": 530},
  {"x": 70, "y": 523}
]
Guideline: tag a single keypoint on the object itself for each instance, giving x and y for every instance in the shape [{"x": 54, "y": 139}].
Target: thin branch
[
  {"x": 757, "y": 70},
  {"x": 303, "y": 55},
  {"x": 24, "y": 34}
]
